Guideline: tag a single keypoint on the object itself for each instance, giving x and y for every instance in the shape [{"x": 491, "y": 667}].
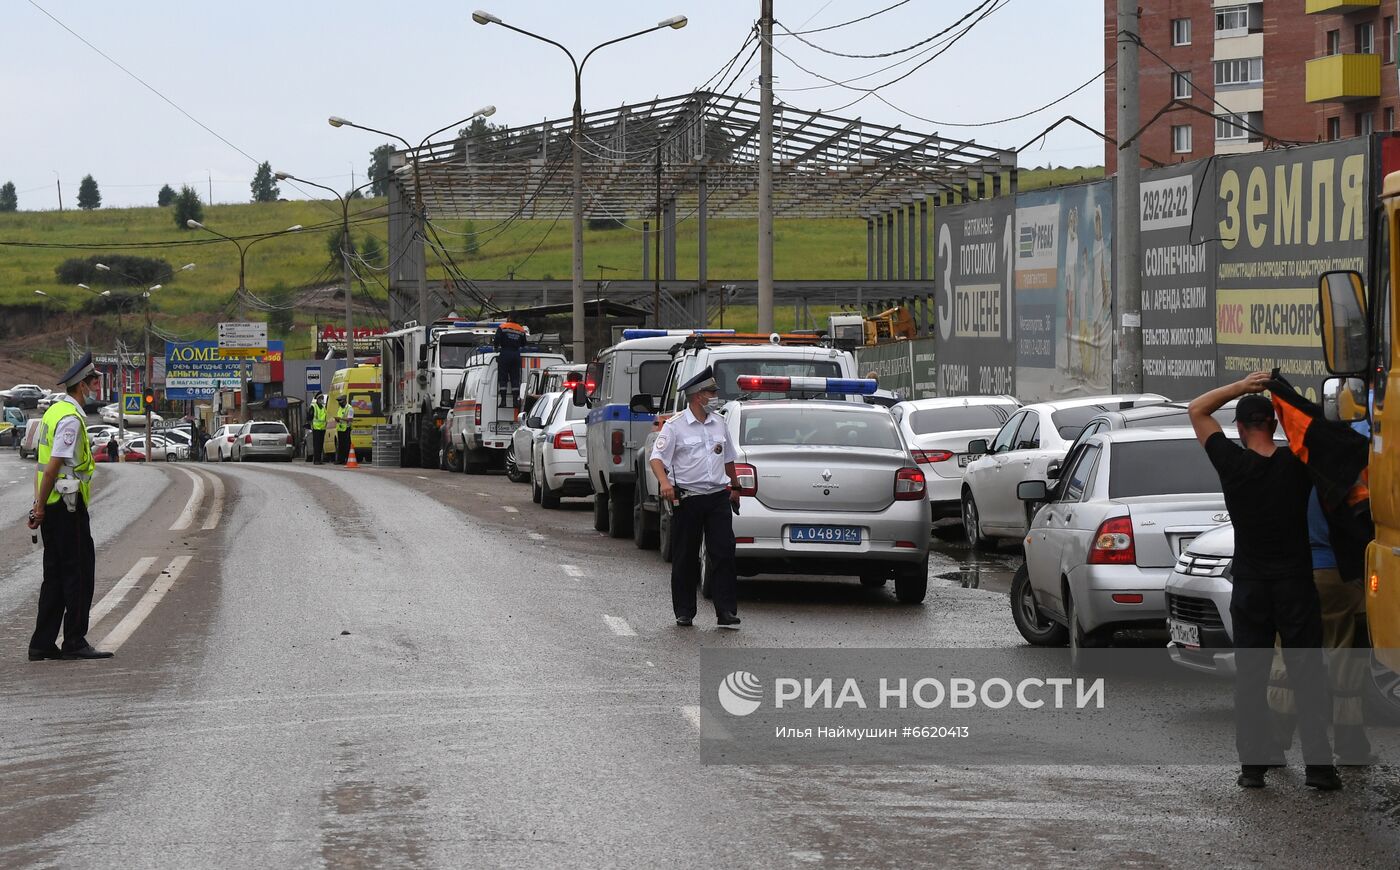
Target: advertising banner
[
  {"x": 196, "y": 370},
  {"x": 1178, "y": 291},
  {"x": 1282, "y": 218},
  {"x": 976, "y": 353},
  {"x": 1064, "y": 292},
  {"x": 905, "y": 368}
]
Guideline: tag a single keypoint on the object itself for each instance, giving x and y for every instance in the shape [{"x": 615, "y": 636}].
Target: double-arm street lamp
[
  {"x": 420, "y": 213},
  {"x": 344, "y": 253},
  {"x": 242, "y": 292},
  {"x": 675, "y": 23}
]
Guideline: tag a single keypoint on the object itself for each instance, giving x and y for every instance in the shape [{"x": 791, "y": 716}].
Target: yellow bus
[{"x": 363, "y": 385}]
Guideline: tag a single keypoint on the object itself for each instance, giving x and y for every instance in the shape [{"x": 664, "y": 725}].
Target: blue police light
[
  {"x": 658, "y": 333},
  {"x": 830, "y": 386}
]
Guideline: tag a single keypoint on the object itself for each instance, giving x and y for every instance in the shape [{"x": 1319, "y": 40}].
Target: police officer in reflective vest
[
  {"x": 318, "y": 427},
  {"x": 693, "y": 460},
  {"x": 62, "y": 493},
  {"x": 344, "y": 417}
]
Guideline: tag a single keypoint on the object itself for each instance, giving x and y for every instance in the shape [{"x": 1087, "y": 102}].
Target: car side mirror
[
  {"x": 1052, "y": 471},
  {"x": 1346, "y": 335},
  {"x": 580, "y": 395},
  {"x": 1032, "y": 490},
  {"x": 533, "y": 422},
  {"x": 977, "y": 446},
  {"x": 642, "y": 403},
  {"x": 1344, "y": 399},
  {"x": 447, "y": 397}
]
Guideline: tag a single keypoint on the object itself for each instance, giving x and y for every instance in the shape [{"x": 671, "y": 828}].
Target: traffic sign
[
  {"x": 242, "y": 336},
  {"x": 313, "y": 379},
  {"x": 131, "y": 403}
]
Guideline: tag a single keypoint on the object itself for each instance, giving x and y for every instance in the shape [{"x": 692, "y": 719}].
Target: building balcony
[
  {"x": 1341, "y": 77},
  {"x": 1337, "y": 7}
]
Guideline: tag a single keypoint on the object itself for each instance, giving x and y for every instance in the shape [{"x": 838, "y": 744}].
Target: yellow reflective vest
[
  {"x": 318, "y": 417},
  {"x": 82, "y": 455}
]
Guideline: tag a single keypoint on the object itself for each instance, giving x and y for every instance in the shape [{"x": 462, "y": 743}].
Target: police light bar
[
  {"x": 657, "y": 333},
  {"x": 769, "y": 384},
  {"x": 468, "y": 324}
]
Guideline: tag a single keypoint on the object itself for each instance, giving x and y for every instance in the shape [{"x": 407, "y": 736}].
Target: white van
[{"x": 476, "y": 436}]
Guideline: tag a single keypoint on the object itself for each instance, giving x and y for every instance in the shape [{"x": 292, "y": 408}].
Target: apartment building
[{"x": 1224, "y": 76}]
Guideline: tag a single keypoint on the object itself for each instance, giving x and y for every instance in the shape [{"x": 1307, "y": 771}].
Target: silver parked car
[
  {"x": 829, "y": 487},
  {"x": 939, "y": 432},
  {"x": 1100, "y": 548},
  {"x": 263, "y": 439},
  {"x": 1023, "y": 449}
]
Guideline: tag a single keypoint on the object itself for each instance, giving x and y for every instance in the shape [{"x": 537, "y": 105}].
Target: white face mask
[{"x": 712, "y": 405}]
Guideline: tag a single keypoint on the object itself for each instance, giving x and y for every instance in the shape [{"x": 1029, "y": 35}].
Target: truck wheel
[
  {"x": 428, "y": 441},
  {"x": 643, "y": 531},
  {"x": 619, "y": 513},
  {"x": 663, "y": 532},
  {"x": 600, "y": 510}
]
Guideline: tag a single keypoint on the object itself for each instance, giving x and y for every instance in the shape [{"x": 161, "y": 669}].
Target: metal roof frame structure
[{"x": 667, "y": 150}]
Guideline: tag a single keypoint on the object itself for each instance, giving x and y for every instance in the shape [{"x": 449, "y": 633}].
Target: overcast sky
[{"x": 265, "y": 75}]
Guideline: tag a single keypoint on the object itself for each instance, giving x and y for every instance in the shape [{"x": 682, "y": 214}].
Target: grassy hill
[{"x": 830, "y": 249}]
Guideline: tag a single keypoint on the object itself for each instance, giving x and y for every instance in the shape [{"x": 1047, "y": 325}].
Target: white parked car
[
  {"x": 1021, "y": 450},
  {"x": 557, "y": 469},
  {"x": 938, "y": 432},
  {"x": 219, "y": 447},
  {"x": 521, "y": 455},
  {"x": 110, "y": 415},
  {"x": 160, "y": 450},
  {"x": 1107, "y": 535}
]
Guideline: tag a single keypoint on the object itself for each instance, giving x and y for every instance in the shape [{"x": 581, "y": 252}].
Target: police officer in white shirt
[{"x": 693, "y": 460}]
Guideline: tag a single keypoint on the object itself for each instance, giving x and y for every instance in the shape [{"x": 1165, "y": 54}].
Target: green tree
[
  {"x": 372, "y": 252},
  {"x": 264, "y": 185},
  {"x": 379, "y": 169},
  {"x": 166, "y": 195},
  {"x": 8, "y": 200},
  {"x": 89, "y": 197},
  {"x": 188, "y": 206},
  {"x": 333, "y": 246}
]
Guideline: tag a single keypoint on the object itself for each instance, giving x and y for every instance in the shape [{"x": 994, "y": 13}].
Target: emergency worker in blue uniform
[
  {"x": 693, "y": 460},
  {"x": 62, "y": 493}
]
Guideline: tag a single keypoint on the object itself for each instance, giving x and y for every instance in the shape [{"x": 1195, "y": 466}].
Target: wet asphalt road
[{"x": 416, "y": 669}]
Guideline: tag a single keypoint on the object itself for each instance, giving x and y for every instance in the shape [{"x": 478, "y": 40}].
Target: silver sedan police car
[{"x": 828, "y": 487}]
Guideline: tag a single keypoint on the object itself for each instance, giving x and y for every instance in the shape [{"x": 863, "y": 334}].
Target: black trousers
[
  {"x": 707, "y": 518},
  {"x": 1289, "y": 609},
  {"x": 342, "y": 447},
  {"x": 318, "y": 445},
  {"x": 70, "y": 563},
  {"x": 508, "y": 373}
]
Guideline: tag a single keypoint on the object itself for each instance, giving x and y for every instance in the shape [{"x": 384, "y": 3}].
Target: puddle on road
[{"x": 952, "y": 560}]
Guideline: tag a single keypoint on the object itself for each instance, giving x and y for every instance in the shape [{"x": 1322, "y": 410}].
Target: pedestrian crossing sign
[{"x": 131, "y": 403}]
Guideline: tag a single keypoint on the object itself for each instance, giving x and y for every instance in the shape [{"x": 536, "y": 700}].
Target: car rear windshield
[
  {"x": 932, "y": 420},
  {"x": 1160, "y": 468},
  {"x": 817, "y": 427},
  {"x": 266, "y": 428},
  {"x": 727, "y": 372}
]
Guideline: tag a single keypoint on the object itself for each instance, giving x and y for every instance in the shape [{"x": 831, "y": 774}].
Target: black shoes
[
  {"x": 1323, "y": 777},
  {"x": 86, "y": 652},
  {"x": 39, "y": 655},
  {"x": 685, "y": 621},
  {"x": 728, "y": 620},
  {"x": 1251, "y": 776}
]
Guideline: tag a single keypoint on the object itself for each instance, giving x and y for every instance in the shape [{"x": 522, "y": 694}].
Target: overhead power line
[{"x": 853, "y": 20}]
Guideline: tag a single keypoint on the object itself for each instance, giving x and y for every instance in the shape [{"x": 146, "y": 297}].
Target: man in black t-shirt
[{"x": 1266, "y": 490}]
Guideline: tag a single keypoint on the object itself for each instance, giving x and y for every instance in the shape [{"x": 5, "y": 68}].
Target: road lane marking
[
  {"x": 535, "y": 536},
  {"x": 573, "y": 571},
  {"x": 196, "y": 499},
  {"x": 115, "y": 595},
  {"x": 619, "y": 626},
  {"x": 420, "y": 477},
  {"x": 216, "y": 512},
  {"x": 692, "y": 715},
  {"x": 148, "y": 602},
  {"x": 483, "y": 494},
  {"x": 510, "y": 510}
]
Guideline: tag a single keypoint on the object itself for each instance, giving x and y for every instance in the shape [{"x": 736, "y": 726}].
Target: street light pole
[
  {"x": 242, "y": 294},
  {"x": 420, "y": 217},
  {"x": 675, "y": 23}
]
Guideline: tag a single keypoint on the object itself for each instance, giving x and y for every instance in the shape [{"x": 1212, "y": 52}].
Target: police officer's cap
[
  {"x": 704, "y": 380},
  {"x": 81, "y": 371}
]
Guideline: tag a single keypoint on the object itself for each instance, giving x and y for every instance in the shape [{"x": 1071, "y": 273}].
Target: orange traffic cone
[{"x": 351, "y": 462}]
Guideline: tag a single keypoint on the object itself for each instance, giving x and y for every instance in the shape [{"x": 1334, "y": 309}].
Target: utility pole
[
  {"x": 1127, "y": 279},
  {"x": 59, "y": 182},
  {"x": 211, "y": 186},
  {"x": 150, "y": 375},
  {"x": 765, "y": 168}
]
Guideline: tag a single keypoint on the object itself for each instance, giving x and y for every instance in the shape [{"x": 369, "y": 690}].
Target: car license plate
[
  {"x": 1184, "y": 633},
  {"x": 502, "y": 428},
  {"x": 965, "y": 458},
  {"x": 824, "y": 534}
]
